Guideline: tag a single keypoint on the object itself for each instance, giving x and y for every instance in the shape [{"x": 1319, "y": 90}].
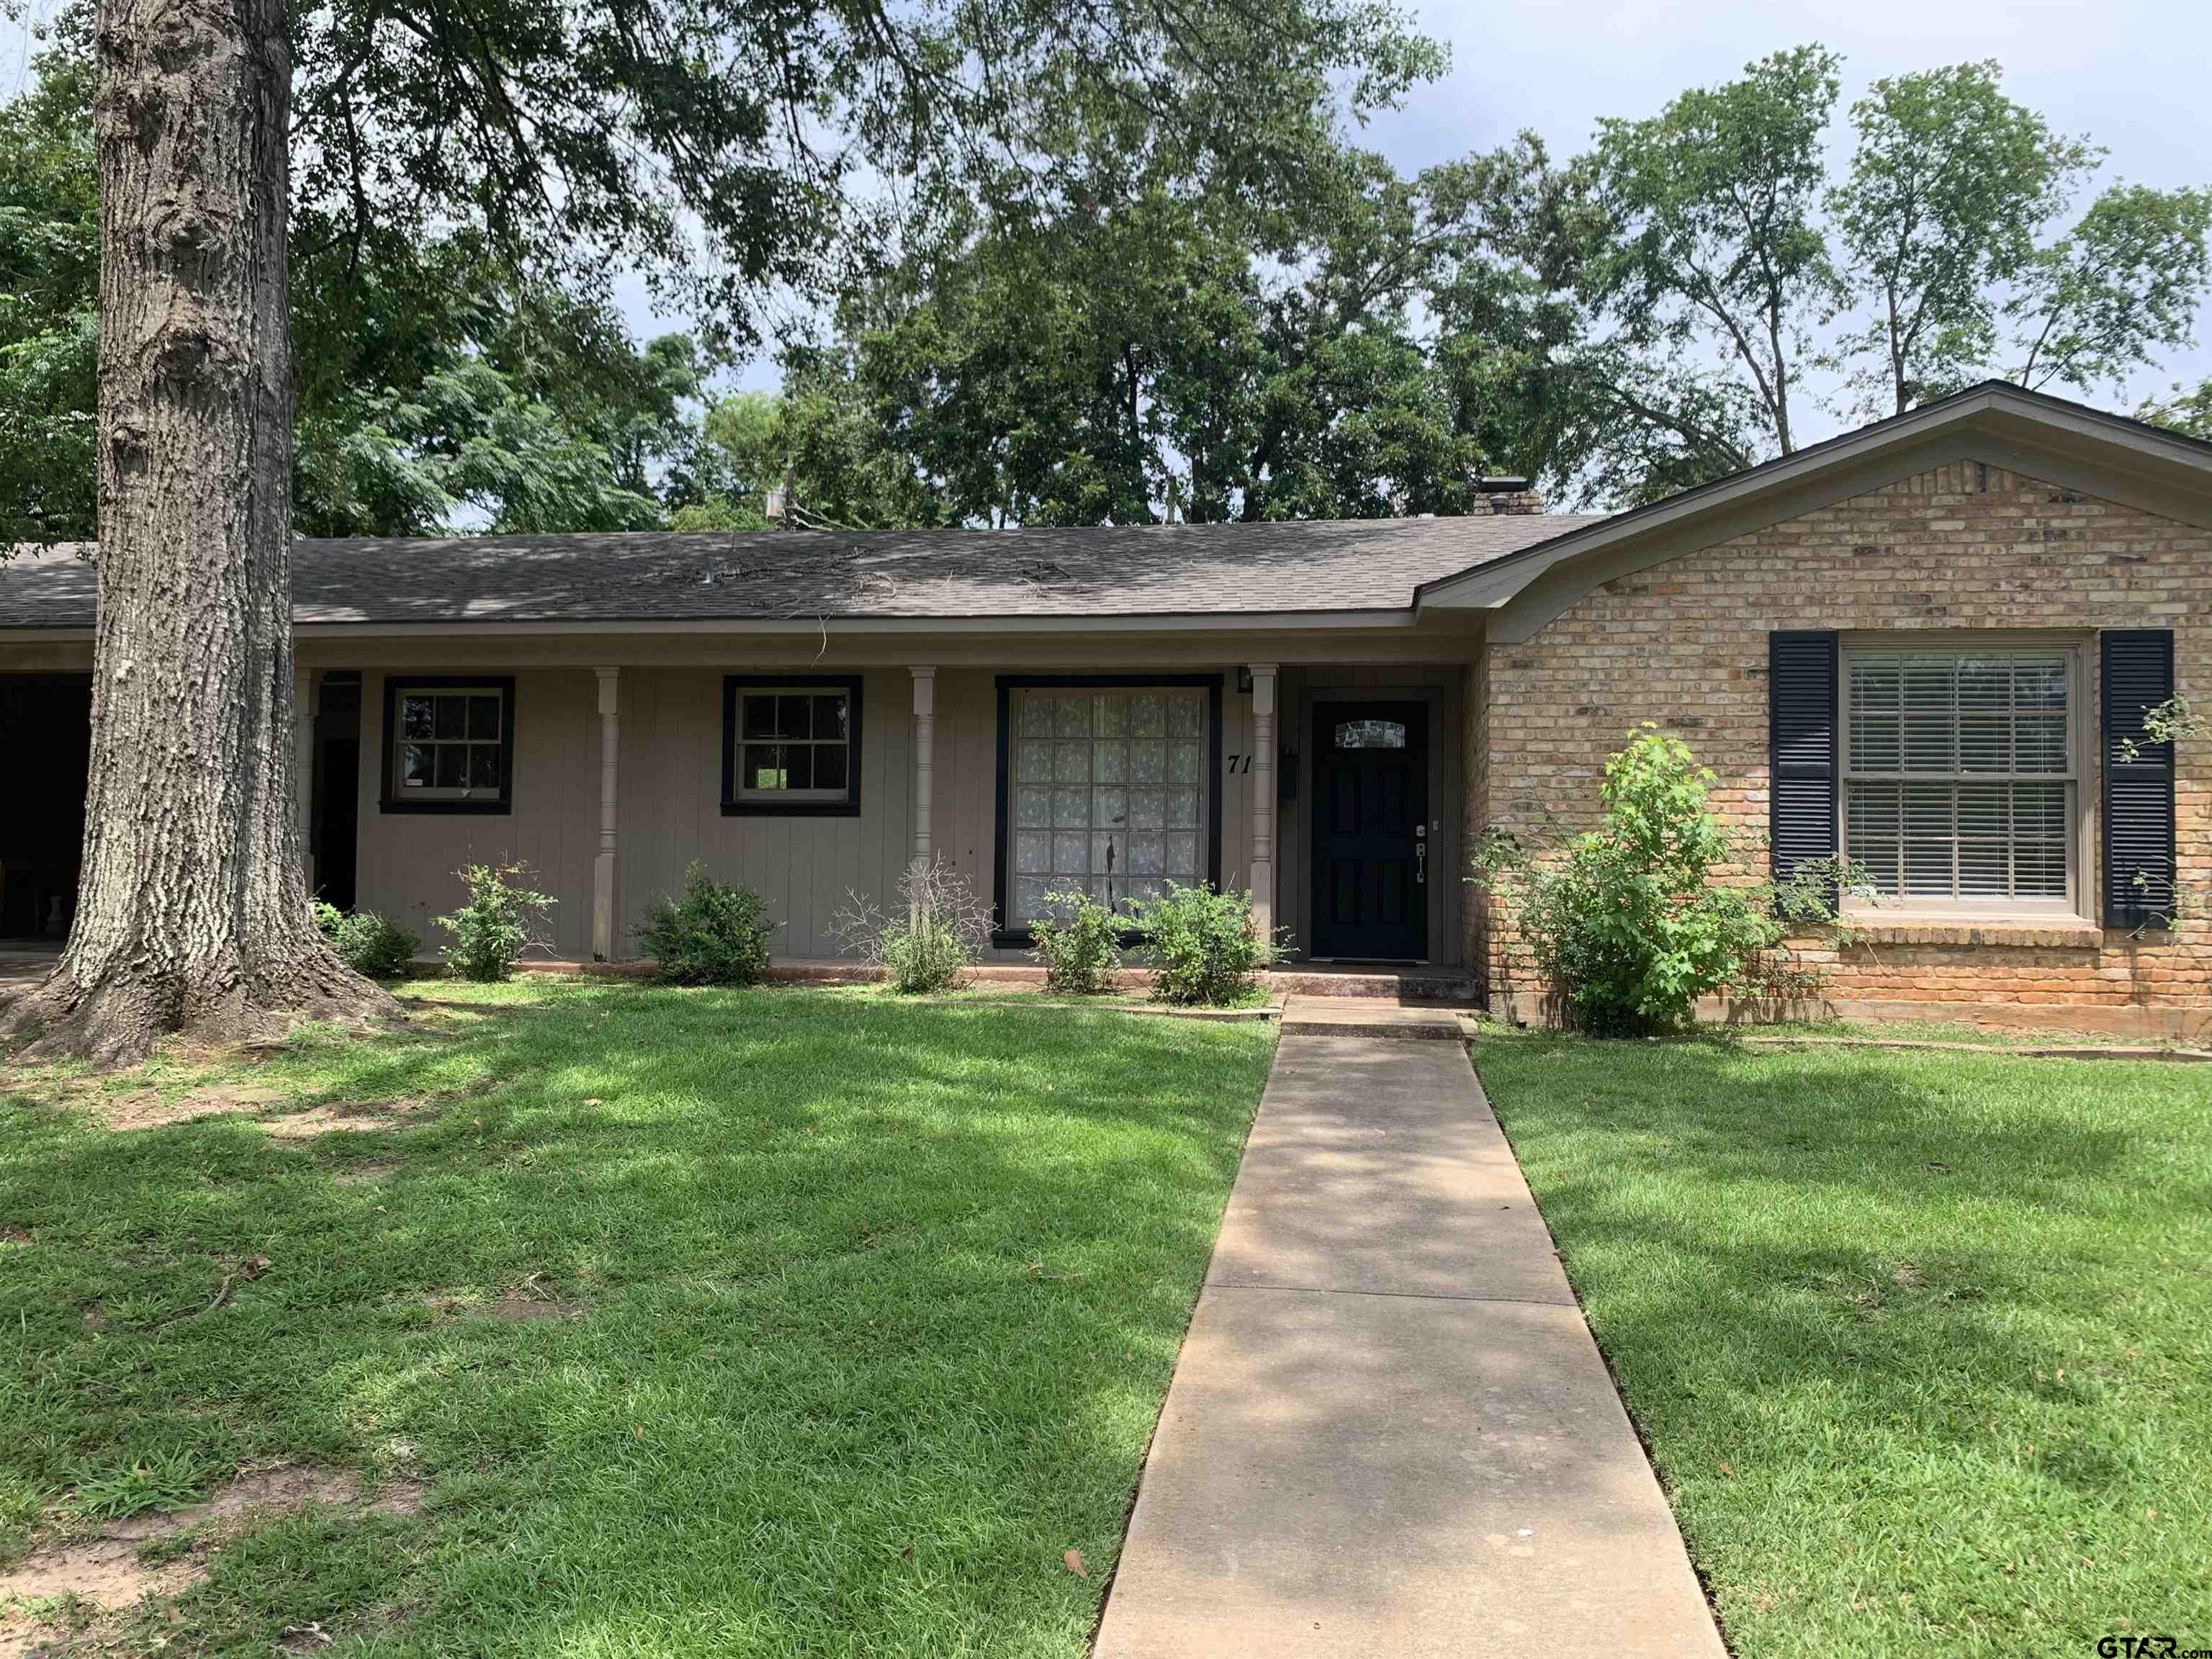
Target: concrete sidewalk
[{"x": 1389, "y": 1431}]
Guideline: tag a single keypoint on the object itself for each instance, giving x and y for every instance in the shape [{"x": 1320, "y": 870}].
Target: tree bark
[{"x": 193, "y": 911}]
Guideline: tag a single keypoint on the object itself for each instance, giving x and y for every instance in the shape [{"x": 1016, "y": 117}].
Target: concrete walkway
[{"x": 1389, "y": 1431}]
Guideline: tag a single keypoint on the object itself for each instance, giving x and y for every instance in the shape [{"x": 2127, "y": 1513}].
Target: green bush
[
  {"x": 1078, "y": 940},
  {"x": 926, "y": 947},
  {"x": 494, "y": 928},
  {"x": 715, "y": 935},
  {"x": 1201, "y": 946},
  {"x": 1629, "y": 925},
  {"x": 365, "y": 942}
]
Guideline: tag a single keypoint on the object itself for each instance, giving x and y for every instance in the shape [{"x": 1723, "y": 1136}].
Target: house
[{"x": 1919, "y": 645}]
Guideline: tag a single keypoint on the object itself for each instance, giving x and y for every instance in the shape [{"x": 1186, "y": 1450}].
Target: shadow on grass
[
  {"x": 1853, "y": 1298},
  {"x": 878, "y": 1304}
]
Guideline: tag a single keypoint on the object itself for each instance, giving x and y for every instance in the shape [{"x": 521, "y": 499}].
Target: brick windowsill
[{"x": 2055, "y": 933}]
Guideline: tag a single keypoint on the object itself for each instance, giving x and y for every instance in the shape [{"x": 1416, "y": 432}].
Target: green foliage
[
  {"x": 1079, "y": 941},
  {"x": 2188, "y": 412},
  {"x": 49, "y": 326},
  {"x": 497, "y": 925},
  {"x": 1632, "y": 922},
  {"x": 1202, "y": 946},
  {"x": 365, "y": 942},
  {"x": 940, "y": 935},
  {"x": 715, "y": 935}
]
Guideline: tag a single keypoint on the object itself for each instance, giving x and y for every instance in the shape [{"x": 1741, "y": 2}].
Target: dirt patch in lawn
[
  {"x": 146, "y": 1109},
  {"x": 108, "y": 1572},
  {"x": 364, "y": 1174},
  {"x": 340, "y": 1117},
  {"x": 533, "y": 1300}
]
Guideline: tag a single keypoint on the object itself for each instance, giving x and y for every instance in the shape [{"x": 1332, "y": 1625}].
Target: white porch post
[
  {"x": 925, "y": 741},
  {"x": 604, "y": 913},
  {"x": 305, "y": 683},
  {"x": 1263, "y": 798}
]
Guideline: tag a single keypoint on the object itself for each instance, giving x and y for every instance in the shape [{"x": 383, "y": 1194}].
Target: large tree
[
  {"x": 1670, "y": 307},
  {"x": 715, "y": 142}
]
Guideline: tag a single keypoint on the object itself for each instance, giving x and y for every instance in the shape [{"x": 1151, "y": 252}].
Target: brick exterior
[{"x": 1685, "y": 643}]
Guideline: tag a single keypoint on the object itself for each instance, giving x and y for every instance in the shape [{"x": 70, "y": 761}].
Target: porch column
[
  {"x": 1263, "y": 798},
  {"x": 925, "y": 741},
  {"x": 604, "y": 913},
  {"x": 305, "y": 683}
]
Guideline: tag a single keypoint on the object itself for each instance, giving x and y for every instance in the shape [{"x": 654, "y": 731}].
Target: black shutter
[
  {"x": 2138, "y": 816},
  {"x": 1802, "y": 760}
]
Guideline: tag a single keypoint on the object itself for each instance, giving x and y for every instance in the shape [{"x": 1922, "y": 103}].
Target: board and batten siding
[
  {"x": 668, "y": 796},
  {"x": 407, "y": 864}
]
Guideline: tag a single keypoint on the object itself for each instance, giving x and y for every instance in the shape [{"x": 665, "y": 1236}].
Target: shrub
[
  {"x": 1628, "y": 922},
  {"x": 365, "y": 942},
  {"x": 943, "y": 930},
  {"x": 1201, "y": 946},
  {"x": 494, "y": 928},
  {"x": 715, "y": 935},
  {"x": 1078, "y": 940}
]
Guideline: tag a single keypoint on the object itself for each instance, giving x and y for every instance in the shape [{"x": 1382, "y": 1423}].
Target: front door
[{"x": 1370, "y": 830}]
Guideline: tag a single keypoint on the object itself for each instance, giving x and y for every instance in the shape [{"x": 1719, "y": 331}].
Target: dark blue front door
[{"x": 1370, "y": 827}]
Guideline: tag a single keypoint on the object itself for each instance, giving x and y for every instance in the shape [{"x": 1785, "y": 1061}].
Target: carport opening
[{"x": 45, "y": 731}]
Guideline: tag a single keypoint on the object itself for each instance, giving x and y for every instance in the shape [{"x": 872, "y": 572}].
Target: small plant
[
  {"x": 365, "y": 942},
  {"x": 946, "y": 927},
  {"x": 1079, "y": 942},
  {"x": 715, "y": 935},
  {"x": 494, "y": 928},
  {"x": 1630, "y": 923},
  {"x": 1202, "y": 946}
]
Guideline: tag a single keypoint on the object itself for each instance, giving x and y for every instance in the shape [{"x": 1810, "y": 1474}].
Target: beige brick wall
[{"x": 1685, "y": 643}]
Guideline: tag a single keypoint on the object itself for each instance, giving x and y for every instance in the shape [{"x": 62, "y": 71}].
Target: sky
[{"x": 2129, "y": 74}]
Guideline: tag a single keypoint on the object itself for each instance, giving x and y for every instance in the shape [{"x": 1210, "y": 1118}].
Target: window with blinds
[{"x": 1959, "y": 779}]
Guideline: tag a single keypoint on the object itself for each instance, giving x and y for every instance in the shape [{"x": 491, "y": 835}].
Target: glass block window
[
  {"x": 1111, "y": 794},
  {"x": 792, "y": 744},
  {"x": 1959, "y": 775},
  {"x": 450, "y": 744}
]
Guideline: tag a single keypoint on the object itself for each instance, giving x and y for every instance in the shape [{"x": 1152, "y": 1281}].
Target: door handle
[{"x": 1420, "y": 864}]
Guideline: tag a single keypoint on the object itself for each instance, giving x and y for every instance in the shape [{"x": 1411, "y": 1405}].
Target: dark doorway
[
  {"x": 46, "y": 731},
  {"x": 1370, "y": 831},
  {"x": 334, "y": 819}
]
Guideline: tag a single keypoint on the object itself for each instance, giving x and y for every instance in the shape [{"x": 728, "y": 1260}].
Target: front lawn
[
  {"x": 1921, "y": 1343},
  {"x": 653, "y": 1321}
]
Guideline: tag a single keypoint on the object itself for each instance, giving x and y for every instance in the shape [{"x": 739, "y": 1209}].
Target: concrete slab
[
  {"x": 1389, "y": 1431},
  {"x": 1379, "y": 1167},
  {"x": 1307, "y": 1015}
]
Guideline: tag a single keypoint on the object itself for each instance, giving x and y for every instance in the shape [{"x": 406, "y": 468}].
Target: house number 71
[{"x": 1239, "y": 764}]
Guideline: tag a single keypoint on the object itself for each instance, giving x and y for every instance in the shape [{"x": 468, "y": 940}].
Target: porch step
[
  {"x": 1372, "y": 1017},
  {"x": 1411, "y": 985}
]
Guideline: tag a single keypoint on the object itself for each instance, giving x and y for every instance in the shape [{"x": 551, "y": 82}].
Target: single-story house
[{"x": 1921, "y": 646}]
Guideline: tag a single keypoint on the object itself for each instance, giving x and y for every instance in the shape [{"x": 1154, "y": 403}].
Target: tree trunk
[{"x": 193, "y": 911}]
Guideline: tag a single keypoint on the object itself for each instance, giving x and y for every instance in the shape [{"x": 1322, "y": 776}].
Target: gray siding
[{"x": 670, "y": 799}]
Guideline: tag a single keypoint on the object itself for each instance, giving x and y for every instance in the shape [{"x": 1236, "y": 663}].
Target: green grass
[
  {"x": 1921, "y": 1343},
  {"x": 878, "y": 1305}
]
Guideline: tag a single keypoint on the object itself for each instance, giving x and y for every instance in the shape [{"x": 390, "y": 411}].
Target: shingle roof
[{"x": 1155, "y": 570}]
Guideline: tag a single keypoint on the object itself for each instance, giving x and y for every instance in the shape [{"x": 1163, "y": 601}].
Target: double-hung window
[
  {"x": 792, "y": 745},
  {"x": 449, "y": 744},
  {"x": 1962, "y": 787},
  {"x": 1112, "y": 793}
]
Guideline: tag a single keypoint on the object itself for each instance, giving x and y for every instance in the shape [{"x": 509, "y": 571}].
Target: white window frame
[
  {"x": 2080, "y": 778},
  {"x": 743, "y": 794}
]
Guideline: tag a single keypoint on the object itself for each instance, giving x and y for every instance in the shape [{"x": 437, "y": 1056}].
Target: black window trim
[
  {"x": 734, "y": 805},
  {"x": 1007, "y": 937},
  {"x": 501, "y": 804}
]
